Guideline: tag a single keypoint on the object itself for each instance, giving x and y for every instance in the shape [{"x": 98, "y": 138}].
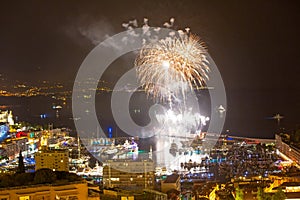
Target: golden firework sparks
[{"x": 172, "y": 65}]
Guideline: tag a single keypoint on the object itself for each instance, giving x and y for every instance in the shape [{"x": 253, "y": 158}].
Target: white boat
[
  {"x": 110, "y": 151},
  {"x": 130, "y": 147},
  {"x": 97, "y": 170}
]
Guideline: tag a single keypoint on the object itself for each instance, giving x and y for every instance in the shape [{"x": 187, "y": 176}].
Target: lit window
[{"x": 24, "y": 198}]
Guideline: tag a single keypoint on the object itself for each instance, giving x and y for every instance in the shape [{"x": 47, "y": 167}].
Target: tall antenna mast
[{"x": 79, "y": 147}]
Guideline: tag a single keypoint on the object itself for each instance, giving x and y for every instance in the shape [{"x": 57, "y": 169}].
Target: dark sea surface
[
  {"x": 30, "y": 109},
  {"x": 243, "y": 119}
]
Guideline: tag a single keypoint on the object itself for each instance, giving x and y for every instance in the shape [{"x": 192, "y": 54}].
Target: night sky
[{"x": 255, "y": 45}]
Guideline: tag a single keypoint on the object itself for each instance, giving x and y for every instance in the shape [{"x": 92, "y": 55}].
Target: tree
[
  {"x": 261, "y": 195},
  {"x": 239, "y": 194},
  {"x": 21, "y": 167},
  {"x": 44, "y": 176},
  {"x": 23, "y": 179},
  {"x": 279, "y": 195},
  {"x": 7, "y": 181}
]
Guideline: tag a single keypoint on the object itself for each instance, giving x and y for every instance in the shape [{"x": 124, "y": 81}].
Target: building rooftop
[
  {"x": 53, "y": 150},
  {"x": 172, "y": 178},
  {"x": 287, "y": 184}
]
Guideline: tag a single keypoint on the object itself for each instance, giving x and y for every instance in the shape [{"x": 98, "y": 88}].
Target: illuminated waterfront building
[
  {"x": 7, "y": 117},
  {"x": 56, "y": 159},
  {"x": 291, "y": 152},
  {"x": 6, "y": 120},
  {"x": 4, "y": 128},
  {"x": 129, "y": 174}
]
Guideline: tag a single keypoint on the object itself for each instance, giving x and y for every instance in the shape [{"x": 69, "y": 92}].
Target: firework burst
[{"x": 171, "y": 66}]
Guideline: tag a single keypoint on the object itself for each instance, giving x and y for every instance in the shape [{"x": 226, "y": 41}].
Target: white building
[{"x": 7, "y": 117}]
